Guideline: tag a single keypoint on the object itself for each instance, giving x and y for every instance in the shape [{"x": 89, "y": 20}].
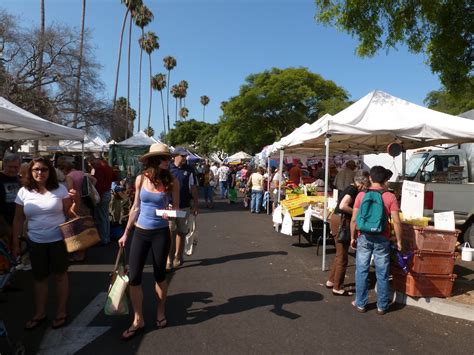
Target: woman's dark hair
[
  {"x": 157, "y": 175},
  {"x": 52, "y": 182}
]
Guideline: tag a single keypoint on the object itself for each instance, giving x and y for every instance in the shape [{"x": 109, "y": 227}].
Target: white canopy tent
[
  {"x": 373, "y": 122},
  {"x": 17, "y": 123},
  {"x": 91, "y": 144},
  {"x": 238, "y": 157},
  {"x": 139, "y": 139}
]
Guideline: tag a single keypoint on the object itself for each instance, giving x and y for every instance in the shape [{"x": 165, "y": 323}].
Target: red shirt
[
  {"x": 390, "y": 203},
  {"x": 104, "y": 174},
  {"x": 294, "y": 175}
]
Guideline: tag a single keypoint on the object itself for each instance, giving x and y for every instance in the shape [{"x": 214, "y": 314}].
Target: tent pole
[
  {"x": 325, "y": 211},
  {"x": 83, "y": 157},
  {"x": 280, "y": 171},
  {"x": 268, "y": 185},
  {"x": 404, "y": 164}
]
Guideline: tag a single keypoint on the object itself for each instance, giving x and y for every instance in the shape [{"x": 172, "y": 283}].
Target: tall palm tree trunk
[
  {"x": 176, "y": 113},
  {"x": 41, "y": 44},
  {"x": 120, "y": 56},
  {"x": 127, "y": 110},
  {"x": 151, "y": 93},
  {"x": 168, "y": 99},
  {"x": 163, "y": 108},
  {"x": 204, "y": 113},
  {"x": 79, "y": 67},
  {"x": 140, "y": 84}
]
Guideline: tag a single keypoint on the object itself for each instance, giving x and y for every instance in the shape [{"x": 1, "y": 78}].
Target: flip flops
[
  {"x": 34, "y": 323},
  {"x": 59, "y": 322},
  {"x": 132, "y": 332},
  {"x": 161, "y": 323}
]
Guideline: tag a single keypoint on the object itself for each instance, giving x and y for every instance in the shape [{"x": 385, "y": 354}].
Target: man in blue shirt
[{"x": 188, "y": 201}]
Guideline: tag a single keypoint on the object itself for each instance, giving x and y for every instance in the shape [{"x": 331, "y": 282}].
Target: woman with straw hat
[{"x": 155, "y": 188}]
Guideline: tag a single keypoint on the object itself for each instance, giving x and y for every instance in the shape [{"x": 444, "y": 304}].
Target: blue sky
[{"x": 218, "y": 43}]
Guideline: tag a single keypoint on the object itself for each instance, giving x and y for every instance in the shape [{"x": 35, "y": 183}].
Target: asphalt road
[{"x": 246, "y": 289}]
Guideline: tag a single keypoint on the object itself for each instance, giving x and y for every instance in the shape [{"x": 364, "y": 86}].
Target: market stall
[
  {"x": 372, "y": 123},
  {"x": 19, "y": 124}
]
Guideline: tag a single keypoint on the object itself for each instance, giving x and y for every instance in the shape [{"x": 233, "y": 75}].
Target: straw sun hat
[{"x": 156, "y": 149}]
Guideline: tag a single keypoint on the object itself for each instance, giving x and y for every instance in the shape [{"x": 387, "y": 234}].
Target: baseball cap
[{"x": 180, "y": 151}]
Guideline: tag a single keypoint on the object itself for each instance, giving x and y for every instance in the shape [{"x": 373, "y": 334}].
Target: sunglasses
[
  {"x": 164, "y": 157},
  {"x": 37, "y": 170}
]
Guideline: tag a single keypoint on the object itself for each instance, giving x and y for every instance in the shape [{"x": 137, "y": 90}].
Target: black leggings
[{"x": 143, "y": 239}]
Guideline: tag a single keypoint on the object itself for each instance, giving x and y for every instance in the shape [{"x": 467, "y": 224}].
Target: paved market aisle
[{"x": 248, "y": 290}]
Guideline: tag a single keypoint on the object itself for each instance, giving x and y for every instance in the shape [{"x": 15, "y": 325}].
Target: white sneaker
[{"x": 23, "y": 267}]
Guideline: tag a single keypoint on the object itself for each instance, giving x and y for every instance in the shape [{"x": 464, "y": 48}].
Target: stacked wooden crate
[{"x": 431, "y": 266}]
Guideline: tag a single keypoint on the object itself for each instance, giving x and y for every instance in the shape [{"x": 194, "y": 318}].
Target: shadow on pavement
[
  {"x": 189, "y": 315},
  {"x": 227, "y": 258}
]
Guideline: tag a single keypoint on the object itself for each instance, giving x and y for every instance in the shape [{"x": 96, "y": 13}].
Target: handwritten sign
[
  {"x": 413, "y": 196},
  {"x": 444, "y": 221}
]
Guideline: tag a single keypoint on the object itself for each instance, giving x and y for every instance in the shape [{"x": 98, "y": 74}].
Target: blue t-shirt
[{"x": 184, "y": 174}]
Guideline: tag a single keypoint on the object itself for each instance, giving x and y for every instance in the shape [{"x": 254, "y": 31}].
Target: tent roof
[
  {"x": 238, "y": 156},
  {"x": 139, "y": 139},
  {"x": 91, "y": 144},
  {"x": 379, "y": 119},
  {"x": 16, "y": 123}
]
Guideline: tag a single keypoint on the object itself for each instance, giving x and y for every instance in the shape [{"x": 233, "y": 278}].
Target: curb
[{"x": 438, "y": 306}]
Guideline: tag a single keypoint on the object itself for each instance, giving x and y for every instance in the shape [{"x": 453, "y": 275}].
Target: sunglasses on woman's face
[
  {"x": 164, "y": 157},
  {"x": 38, "y": 170}
]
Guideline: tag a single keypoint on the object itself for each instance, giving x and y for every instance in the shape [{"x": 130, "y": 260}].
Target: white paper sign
[
  {"x": 277, "y": 217},
  {"x": 287, "y": 226},
  {"x": 413, "y": 196},
  {"x": 335, "y": 194},
  {"x": 444, "y": 221},
  {"x": 332, "y": 202},
  {"x": 307, "y": 225}
]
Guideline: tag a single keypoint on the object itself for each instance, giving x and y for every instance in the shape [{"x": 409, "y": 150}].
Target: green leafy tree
[
  {"x": 206, "y": 142},
  {"x": 185, "y": 133},
  {"x": 149, "y": 131},
  {"x": 441, "y": 29},
  {"x": 271, "y": 105},
  {"x": 452, "y": 103},
  {"x": 123, "y": 126}
]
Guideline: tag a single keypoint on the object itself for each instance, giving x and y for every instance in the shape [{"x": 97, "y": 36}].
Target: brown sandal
[
  {"x": 34, "y": 323},
  {"x": 161, "y": 323},
  {"x": 59, "y": 322}
]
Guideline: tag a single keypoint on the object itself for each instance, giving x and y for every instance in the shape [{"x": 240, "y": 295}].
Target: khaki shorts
[{"x": 181, "y": 226}]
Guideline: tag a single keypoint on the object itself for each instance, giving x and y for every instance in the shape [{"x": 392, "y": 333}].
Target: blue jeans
[
  {"x": 101, "y": 216},
  {"x": 224, "y": 188},
  {"x": 379, "y": 246},
  {"x": 256, "y": 201},
  {"x": 208, "y": 193}
]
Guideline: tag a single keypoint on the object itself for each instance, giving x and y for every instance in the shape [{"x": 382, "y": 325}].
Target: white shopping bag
[
  {"x": 277, "y": 218},
  {"x": 287, "y": 226},
  {"x": 307, "y": 225},
  {"x": 191, "y": 239}
]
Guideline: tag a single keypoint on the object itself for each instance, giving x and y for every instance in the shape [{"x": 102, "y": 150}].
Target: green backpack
[{"x": 371, "y": 217}]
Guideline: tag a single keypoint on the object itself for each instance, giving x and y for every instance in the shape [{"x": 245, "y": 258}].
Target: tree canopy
[
  {"x": 272, "y": 104},
  {"x": 441, "y": 29},
  {"x": 454, "y": 104}
]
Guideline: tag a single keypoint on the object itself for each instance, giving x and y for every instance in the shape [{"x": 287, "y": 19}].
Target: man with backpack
[{"x": 370, "y": 235}]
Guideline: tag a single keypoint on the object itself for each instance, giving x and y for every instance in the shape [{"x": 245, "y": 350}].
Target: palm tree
[
  {"x": 176, "y": 94},
  {"x": 149, "y": 131},
  {"x": 158, "y": 82},
  {"x": 183, "y": 113},
  {"x": 170, "y": 63},
  {"x": 130, "y": 4},
  {"x": 143, "y": 16},
  {"x": 149, "y": 42},
  {"x": 79, "y": 67},
  {"x": 183, "y": 87},
  {"x": 204, "y": 101}
]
